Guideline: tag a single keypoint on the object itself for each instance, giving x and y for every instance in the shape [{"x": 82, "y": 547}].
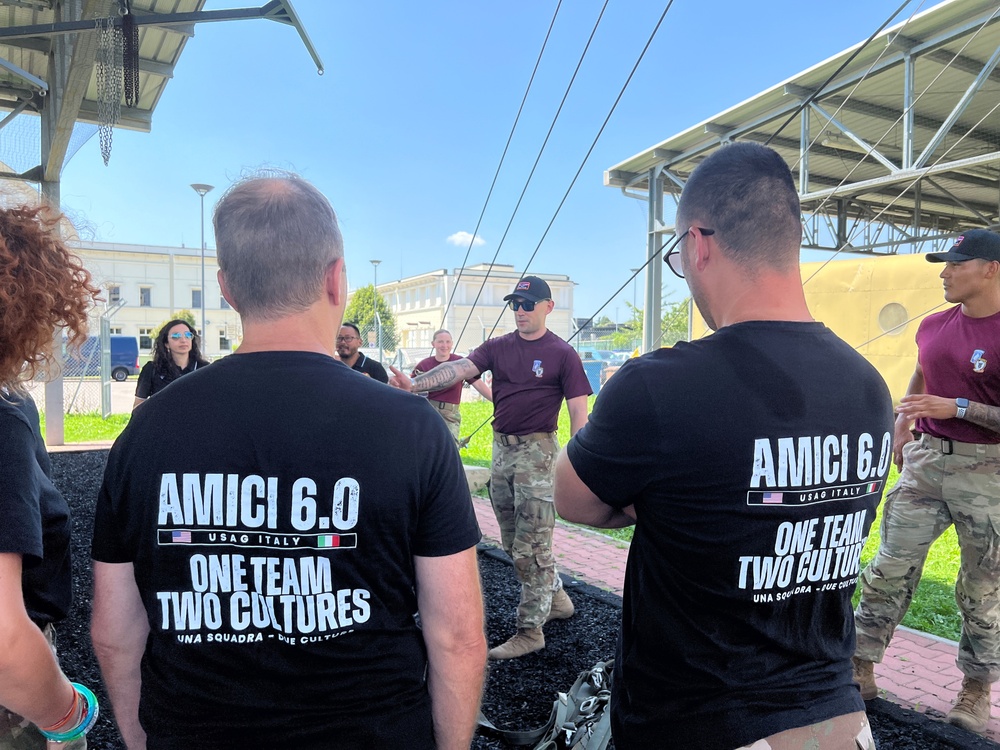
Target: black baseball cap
[
  {"x": 976, "y": 243},
  {"x": 532, "y": 289}
]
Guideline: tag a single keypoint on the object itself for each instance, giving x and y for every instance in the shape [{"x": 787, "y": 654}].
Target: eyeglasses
[
  {"x": 673, "y": 258},
  {"x": 523, "y": 304},
  {"x": 179, "y": 336},
  {"x": 345, "y": 339}
]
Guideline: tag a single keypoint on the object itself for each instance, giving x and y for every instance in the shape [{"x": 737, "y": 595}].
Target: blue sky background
[{"x": 405, "y": 129}]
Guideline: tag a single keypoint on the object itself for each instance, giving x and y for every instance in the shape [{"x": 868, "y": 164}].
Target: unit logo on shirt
[
  {"x": 537, "y": 368},
  {"x": 978, "y": 363}
]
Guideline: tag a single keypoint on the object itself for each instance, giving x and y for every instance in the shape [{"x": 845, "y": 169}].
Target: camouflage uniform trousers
[
  {"x": 936, "y": 490},
  {"x": 845, "y": 732},
  {"x": 17, "y": 733},
  {"x": 521, "y": 494},
  {"x": 451, "y": 416}
]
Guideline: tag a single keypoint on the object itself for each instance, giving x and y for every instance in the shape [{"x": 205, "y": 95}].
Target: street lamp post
[
  {"x": 378, "y": 322},
  {"x": 201, "y": 189}
]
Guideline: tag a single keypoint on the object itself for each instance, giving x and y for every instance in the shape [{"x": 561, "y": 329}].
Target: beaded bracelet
[{"x": 86, "y": 723}]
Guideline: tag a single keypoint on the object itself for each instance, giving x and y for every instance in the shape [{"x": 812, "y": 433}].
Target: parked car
[{"x": 124, "y": 358}]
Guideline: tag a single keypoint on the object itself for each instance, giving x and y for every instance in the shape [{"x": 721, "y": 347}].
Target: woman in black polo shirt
[{"x": 175, "y": 353}]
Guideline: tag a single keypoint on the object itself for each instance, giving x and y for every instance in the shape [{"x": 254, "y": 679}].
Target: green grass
[{"x": 88, "y": 428}]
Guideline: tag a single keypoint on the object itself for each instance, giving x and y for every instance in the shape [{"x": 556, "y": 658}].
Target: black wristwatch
[{"x": 961, "y": 405}]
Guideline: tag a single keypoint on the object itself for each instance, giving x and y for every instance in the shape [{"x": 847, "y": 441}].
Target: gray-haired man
[{"x": 259, "y": 563}]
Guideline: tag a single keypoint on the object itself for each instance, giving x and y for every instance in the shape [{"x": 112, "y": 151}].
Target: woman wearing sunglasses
[{"x": 175, "y": 353}]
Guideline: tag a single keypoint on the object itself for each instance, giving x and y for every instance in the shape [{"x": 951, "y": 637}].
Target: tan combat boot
[
  {"x": 972, "y": 709},
  {"x": 864, "y": 677},
  {"x": 562, "y": 607},
  {"x": 525, "y": 641}
]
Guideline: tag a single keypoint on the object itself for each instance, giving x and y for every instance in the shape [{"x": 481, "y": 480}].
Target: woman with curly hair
[
  {"x": 43, "y": 287},
  {"x": 175, "y": 353}
]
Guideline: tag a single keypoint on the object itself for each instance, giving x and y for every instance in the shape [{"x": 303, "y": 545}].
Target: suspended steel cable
[
  {"x": 838, "y": 71},
  {"x": 534, "y": 166},
  {"x": 503, "y": 156},
  {"x": 590, "y": 150}
]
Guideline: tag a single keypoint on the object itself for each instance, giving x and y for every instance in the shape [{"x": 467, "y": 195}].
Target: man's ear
[
  {"x": 336, "y": 282},
  {"x": 703, "y": 250},
  {"x": 225, "y": 291}
]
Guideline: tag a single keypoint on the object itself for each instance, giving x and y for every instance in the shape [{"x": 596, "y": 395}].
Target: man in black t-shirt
[
  {"x": 258, "y": 564},
  {"x": 751, "y": 463},
  {"x": 348, "y": 344}
]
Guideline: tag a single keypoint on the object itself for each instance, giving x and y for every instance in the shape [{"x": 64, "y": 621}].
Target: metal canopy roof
[
  {"x": 901, "y": 148},
  {"x": 47, "y": 60}
]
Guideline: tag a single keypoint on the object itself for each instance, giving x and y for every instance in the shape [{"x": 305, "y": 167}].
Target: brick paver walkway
[{"x": 918, "y": 671}]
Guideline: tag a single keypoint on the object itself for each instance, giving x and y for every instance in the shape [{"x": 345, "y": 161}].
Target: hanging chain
[
  {"x": 130, "y": 62},
  {"x": 109, "y": 82}
]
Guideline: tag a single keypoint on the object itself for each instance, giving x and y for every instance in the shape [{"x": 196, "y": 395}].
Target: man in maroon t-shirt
[
  {"x": 533, "y": 371},
  {"x": 949, "y": 476}
]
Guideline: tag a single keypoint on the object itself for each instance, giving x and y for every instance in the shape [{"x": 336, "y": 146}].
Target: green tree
[
  {"x": 673, "y": 326},
  {"x": 361, "y": 311},
  {"x": 186, "y": 315},
  {"x": 629, "y": 333},
  {"x": 674, "y": 323}
]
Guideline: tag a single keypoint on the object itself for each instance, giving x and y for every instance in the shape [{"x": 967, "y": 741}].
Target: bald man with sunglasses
[{"x": 533, "y": 371}]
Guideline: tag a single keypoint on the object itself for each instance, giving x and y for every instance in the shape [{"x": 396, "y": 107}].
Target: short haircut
[
  {"x": 276, "y": 236},
  {"x": 745, "y": 192},
  {"x": 439, "y": 332},
  {"x": 352, "y": 325}
]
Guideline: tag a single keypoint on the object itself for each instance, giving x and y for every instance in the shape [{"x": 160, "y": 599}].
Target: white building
[
  {"x": 156, "y": 283},
  {"x": 419, "y": 303}
]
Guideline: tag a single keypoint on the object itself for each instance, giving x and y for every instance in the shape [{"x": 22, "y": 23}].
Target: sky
[{"x": 404, "y": 131}]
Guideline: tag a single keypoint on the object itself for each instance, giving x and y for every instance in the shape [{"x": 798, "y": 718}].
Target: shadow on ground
[{"x": 518, "y": 695}]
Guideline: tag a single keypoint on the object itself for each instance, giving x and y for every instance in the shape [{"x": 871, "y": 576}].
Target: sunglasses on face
[
  {"x": 345, "y": 339},
  {"x": 179, "y": 336},
  {"x": 673, "y": 258},
  {"x": 523, "y": 304}
]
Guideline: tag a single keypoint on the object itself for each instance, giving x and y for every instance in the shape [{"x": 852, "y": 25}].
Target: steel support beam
[
  {"x": 959, "y": 108},
  {"x": 654, "y": 269}
]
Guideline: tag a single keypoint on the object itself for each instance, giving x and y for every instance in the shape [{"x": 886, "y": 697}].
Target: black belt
[{"x": 521, "y": 439}]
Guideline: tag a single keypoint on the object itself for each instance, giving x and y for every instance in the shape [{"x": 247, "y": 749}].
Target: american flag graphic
[
  {"x": 180, "y": 537},
  {"x": 772, "y": 498}
]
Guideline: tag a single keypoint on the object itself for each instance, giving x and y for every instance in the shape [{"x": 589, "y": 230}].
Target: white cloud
[{"x": 461, "y": 239}]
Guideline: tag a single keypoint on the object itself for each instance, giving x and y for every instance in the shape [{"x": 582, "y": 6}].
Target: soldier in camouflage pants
[
  {"x": 935, "y": 491},
  {"x": 521, "y": 494},
  {"x": 949, "y": 475}
]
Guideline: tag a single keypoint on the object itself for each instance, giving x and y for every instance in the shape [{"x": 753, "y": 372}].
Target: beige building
[
  {"x": 155, "y": 284},
  {"x": 419, "y": 303}
]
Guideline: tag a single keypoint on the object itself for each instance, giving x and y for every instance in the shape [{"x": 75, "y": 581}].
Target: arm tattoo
[
  {"x": 444, "y": 375},
  {"x": 984, "y": 416}
]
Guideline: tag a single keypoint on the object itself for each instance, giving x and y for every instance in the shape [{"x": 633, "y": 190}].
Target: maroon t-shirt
[
  {"x": 960, "y": 357},
  {"x": 530, "y": 380},
  {"x": 451, "y": 394}
]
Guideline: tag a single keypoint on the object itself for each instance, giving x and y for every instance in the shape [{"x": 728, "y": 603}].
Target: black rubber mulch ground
[{"x": 519, "y": 694}]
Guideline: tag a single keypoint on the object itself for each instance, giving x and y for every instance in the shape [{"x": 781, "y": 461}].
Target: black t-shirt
[
  {"x": 755, "y": 459},
  {"x": 35, "y": 517},
  {"x": 273, "y": 531},
  {"x": 151, "y": 382},
  {"x": 371, "y": 368}
]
